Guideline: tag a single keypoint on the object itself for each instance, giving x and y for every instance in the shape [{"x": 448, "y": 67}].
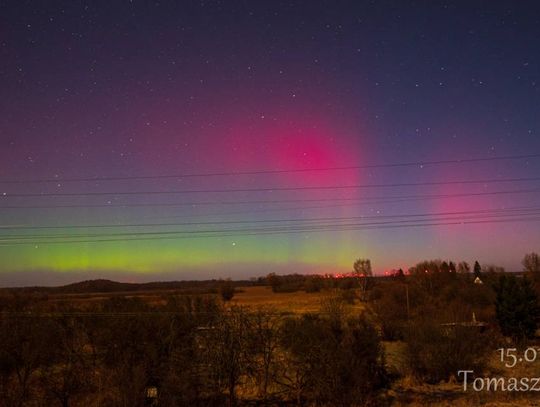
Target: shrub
[
  {"x": 340, "y": 367},
  {"x": 313, "y": 284},
  {"x": 348, "y": 296},
  {"x": 390, "y": 306},
  {"x": 436, "y": 352},
  {"x": 226, "y": 289}
]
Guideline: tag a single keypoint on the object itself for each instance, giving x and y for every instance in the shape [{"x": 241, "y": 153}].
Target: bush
[
  {"x": 285, "y": 284},
  {"x": 313, "y": 284},
  {"x": 226, "y": 289},
  {"x": 348, "y": 296},
  {"x": 347, "y": 283},
  {"x": 436, "y": 352},
  {"x": 390, "y": 306},
  {"x": 342, "y": 366}
]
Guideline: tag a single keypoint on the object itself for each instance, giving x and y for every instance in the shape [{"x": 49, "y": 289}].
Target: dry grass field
[
  {"x": 252, "y": 297},
  {"x": 294, "y": 302}
]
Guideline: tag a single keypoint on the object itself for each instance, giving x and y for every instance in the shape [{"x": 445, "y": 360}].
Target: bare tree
[
  {"x": 362, "y": 268},
  {"x": 531, "y": 264},
  {"x": 223, "y": 349},
  {"x": 263, "y": 346},
  {"x": 329, "y": 366},
  {"x": 24, "y": 350},
  {"x": 69, "y": 373}
]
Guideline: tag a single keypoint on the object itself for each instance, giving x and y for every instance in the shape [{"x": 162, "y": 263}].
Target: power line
[
  {"x": 262, "y": 172},
  {"x": 357, "y": 201},
  {"x": 318, "y": 219},
  {"x": 36, "y": 243},
  {"x": 269, "y": 231},
  {"x": 273, "y": 189},
  {"x": 273, "y": 228}
]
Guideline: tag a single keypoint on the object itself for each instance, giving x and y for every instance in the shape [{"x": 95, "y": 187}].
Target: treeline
[
  {"x": 189, "y": 351},
  {"x": 309, "y": 283}
]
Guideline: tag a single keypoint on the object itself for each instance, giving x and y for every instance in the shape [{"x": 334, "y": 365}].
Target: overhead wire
[
  {"x": 269, "y": 171},
  {"x": 317, "y": 219},
  {"x": 38, "y": 243},
  {"x": 375, "y": 199},
  {"x": 463, "y": 220},
  {"x": 274, "y": 189}
]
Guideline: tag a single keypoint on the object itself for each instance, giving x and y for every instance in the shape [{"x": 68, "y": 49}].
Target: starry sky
[{"x": 144, "y": 140}]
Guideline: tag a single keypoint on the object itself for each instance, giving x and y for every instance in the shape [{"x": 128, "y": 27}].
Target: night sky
[{"x": 190, "y": 140}]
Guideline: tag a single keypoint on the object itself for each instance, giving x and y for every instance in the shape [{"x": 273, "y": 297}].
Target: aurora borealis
[{"x": 170, "y": 140}]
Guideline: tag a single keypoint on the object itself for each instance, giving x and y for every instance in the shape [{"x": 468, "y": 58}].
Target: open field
[
  {"x": 294, "y": 302},
  {"x": 250, "y": 296}
]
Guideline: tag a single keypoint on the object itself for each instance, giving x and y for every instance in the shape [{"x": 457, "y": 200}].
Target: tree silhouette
[
  {"x": 226, "y": 289},
  {"x": 531, "y": 266},
  {"x": 516, "y": 307},
  {"x": 477, "y": 269},
  {"x": 445, "y": 268},
  {"x": 362, "y": 268}
]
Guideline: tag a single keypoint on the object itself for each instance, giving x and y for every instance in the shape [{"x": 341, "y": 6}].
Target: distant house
[
  {"x": 151, "y": 395},
  {"x": 478, "y": 281}
]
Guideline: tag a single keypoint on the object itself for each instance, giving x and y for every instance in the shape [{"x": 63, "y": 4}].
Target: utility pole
[{"x": 407, "y": 295}]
